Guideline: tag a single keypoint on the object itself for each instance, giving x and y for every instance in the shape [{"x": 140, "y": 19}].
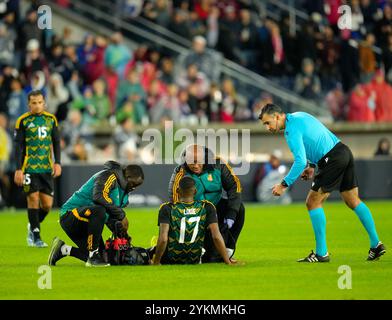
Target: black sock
[
  {"x": 33, "y": 215},
  {"x": 42, "y": 214},
  {"x": 79, "y": 254}
]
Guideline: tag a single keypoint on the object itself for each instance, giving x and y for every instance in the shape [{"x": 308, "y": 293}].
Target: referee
[{"x": 312, "y": 144}]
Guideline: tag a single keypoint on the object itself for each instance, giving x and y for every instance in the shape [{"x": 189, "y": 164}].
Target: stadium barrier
[{"x": 374, "y": 176}]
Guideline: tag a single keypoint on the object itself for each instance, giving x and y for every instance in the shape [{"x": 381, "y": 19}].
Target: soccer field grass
[{"x": 271, "y": 241}]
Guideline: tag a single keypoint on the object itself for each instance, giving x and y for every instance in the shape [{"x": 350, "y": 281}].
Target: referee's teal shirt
[{"x": 308, "y": 140}]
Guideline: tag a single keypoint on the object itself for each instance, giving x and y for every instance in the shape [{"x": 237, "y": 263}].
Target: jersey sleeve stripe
[
  {"x": 179, "y": 175},
  {"x": 108, "y": 184},
  {"x": 52, "y": 116},
  {"x": 237, "y": 181},
  {"x": 19, "y": 120}
]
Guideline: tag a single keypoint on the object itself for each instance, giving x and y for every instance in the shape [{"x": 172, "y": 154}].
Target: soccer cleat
[
  {"x": 313, "y": 257},
  {"x": 38, "y": 243},
  {"x": 55, "y": 251},
  {"x": 377, "y": 252},
  {"x": 96, "y": 261},
  {"x": 30, "y": 237}
]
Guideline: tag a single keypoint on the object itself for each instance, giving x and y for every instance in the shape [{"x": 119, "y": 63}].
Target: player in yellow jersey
[{"x": 36, "y": 136}]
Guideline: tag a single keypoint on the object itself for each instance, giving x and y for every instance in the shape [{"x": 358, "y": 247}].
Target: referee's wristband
[{"x": 284, "y": 184}]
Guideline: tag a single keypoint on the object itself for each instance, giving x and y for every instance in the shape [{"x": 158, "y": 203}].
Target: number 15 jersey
[{"x": 34, "y": 136}]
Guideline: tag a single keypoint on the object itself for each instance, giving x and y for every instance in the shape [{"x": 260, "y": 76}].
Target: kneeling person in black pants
[
  {"x": 98, "y": 202},
  {"x": 213, "y": 177}
]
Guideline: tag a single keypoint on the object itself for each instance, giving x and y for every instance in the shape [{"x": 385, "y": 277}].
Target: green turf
[{"x": 271, "y": 241}]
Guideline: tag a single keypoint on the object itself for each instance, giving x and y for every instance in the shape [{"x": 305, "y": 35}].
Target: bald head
[{"x": 195, "y": 158}]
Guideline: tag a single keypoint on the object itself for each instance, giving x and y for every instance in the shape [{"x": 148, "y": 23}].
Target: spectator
[
  {"x": 307, "y": 83},
  {"x": 56, "y": 59},
  {"x": 356, "y": 20},
  {"x": 384, "y": 26},
  {"x": 94, "y": 67},
  {"x": 248, "y": 42},
  {"x": 57, "y": 97},
  {"x": 197, "y": 26},
  {"x": 231, "y": 102},
  {"x": 131, "y": 89},
  {"x": 202, "y": 58},
  {"x": 75, "y": 128},
  {"x": 329, "y": 54},
  {"x": 7, "y": 47},
  {"x": 367, "y": 58},
  {"x": 100, "y": 101},
  {"x": 387, "y": 59},
  {"x": 127, "y": 111},
  {"x": 16, "y": 103},
  {"x": 7, "y": 74},
  {"x": 361, "y": 105},
  {"x": 194, "y": 77},
  {"x": 117, "y": 54},
  {"x": 273, "y": 50},
  {"x": 166, "y": 74},
  {"x": 336, "y": 101},
  {"x": 126, "y": 141},
  {"x": 84, "y": 50},
  {"x": 158, "y": 12},
  {"x": 78, "y": 151},
  {"x": 268, "y": 175},
  {"x": 155, "y": 92},
  {"x": 383, "y": 147},
  {"x": 34, "y": 61},
  {"x": 167, "y": 108},
  {"x": 213, "y": 27},
  {"x": 202, "y": 9},
  {"x": 349, "y": 62},
  {"x": 228, "y": 30},
  {"x": 383, "y": 93},
  {"x": 29, "y": 29},
  {"x": 71, "y": 63},
  {"x": 179, "y": 24}
]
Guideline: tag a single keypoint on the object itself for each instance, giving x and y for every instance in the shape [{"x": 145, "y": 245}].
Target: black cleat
[
  {"x": 96, "y": 261},
  {"x": 55, "y": 251},
  {"x": 312, "y": 257},
  {"x": 377, "y": 252}
]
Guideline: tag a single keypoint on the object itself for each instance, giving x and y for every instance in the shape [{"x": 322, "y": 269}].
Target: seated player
[
  {"x": 182, "y": 227},
  {"x": 98, "y": 202}
]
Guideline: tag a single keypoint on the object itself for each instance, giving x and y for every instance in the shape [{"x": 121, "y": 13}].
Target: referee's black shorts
[{"x": 336, "y": 171}]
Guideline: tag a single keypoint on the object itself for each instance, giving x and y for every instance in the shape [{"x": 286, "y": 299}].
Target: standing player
[
  {"x": 182, "y": 227},
  {"x": 36, "y": 135},
  {"x": 313, "y": 144}
]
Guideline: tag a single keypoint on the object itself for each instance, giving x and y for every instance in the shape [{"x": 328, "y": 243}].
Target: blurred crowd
[
  {"x": 350, "y": 67},
  {"x": 103, "y": 83}
]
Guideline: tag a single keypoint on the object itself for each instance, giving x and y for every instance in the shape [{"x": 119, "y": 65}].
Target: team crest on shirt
[
  {"x": 190, "y": 211},
  {"x": 209, "y": 178}
]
